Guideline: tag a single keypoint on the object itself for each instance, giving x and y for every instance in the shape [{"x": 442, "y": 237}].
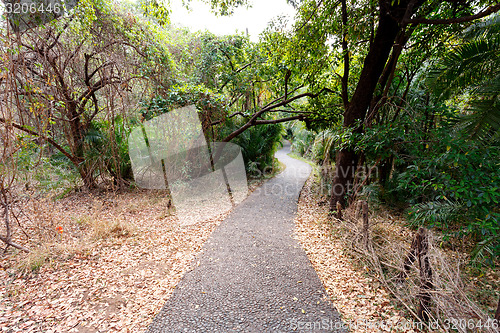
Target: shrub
[
  {"x": 444, "y": 179},
  {"x": 258, "y": 144}
]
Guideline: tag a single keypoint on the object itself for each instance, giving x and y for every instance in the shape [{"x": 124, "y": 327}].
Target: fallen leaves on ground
[
  {"x": 113, "y": 262},
  {"x": 364, "y": 305},
  {"x": 104, "y": 262}
]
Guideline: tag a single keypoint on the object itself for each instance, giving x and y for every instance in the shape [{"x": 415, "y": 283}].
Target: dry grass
[
  {"x": 388, "y": 246},
  {"x": 48, "y": 253},
  {"x": 56, "y": 235},
  {"x": 364, "y": 304},
  {"x": 34, "y": 260},
  {"x": 117, "y": 227},
  {"x": 98, "y": 262},
  {"x": 363, "y": 280}
]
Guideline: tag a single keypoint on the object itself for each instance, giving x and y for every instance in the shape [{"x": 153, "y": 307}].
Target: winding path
[{"x": 253, "y": 276}]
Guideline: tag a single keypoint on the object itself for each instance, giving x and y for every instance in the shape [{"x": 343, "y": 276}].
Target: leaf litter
[
  {"x": 110, "y": 265},
  {"x": 364, "y": 305}
]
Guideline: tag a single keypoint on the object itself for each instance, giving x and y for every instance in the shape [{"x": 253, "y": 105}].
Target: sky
[{"x": 255, "y": 18}]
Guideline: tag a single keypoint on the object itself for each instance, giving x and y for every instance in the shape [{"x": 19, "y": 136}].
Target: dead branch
[
  {"x": 497, "y": 314},
  {"x": 366, "y": 224},
  {"x": 7, "y": 239}
]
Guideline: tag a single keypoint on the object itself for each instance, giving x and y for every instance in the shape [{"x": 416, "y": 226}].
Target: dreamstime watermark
[
  {"x": 170, "y": 152},
  {"x": 329, "y": 324},
  {"x": 27, "y": 14}
]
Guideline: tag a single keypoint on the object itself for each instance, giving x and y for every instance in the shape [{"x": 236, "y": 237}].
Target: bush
[
  {"x": 106, "y": 150},
  {"x": 446, "y": 180},
  {"x": 258, "y": 144},
  {"x": 323, "y": 146},
  {"x": 302, "y": 139}
]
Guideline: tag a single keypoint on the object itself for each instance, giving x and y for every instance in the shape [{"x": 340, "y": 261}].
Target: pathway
[{"x": 252, "y": 275}]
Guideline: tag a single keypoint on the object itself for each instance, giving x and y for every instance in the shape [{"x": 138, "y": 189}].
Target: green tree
[
  {"x": 70, "y": 74},
  {"x": 472, "y": 70},
  {"x": 368, "y": 39},
  {"x": 396, "y": 22}
]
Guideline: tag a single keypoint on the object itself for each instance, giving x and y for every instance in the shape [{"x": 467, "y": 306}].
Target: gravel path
[{"x": 252, "y": 275}]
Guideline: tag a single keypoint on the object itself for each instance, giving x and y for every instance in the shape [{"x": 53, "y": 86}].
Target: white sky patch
[{"x": 255, "y": 18}]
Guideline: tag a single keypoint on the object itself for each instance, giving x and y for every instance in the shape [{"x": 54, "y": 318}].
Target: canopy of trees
[{"x": 404, "y": 91}]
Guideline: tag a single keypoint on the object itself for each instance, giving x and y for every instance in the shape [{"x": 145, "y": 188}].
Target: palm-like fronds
[
  {"x": 470, "y": 64},
  {"x": 485, "y": 29},
  {"x": 259, "y": 144},
  {"x": 486, "y": 248},
  {"x": 435, "y": 212},
  {"x": 473, "y": 68},
  {"x": 483, "y": 120},
  {"x": 94, "y": 137},
  {"x": 323, "y": 145}
]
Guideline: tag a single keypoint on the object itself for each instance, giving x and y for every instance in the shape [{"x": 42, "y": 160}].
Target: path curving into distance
[{"x": 253, "y": 276}]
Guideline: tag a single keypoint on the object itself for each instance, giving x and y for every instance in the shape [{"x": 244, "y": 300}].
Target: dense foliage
[
  {"x": 432, "y": 141},
  {"x": 383, "y": 87}
]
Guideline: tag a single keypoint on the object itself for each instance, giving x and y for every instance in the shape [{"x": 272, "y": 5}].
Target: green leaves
[
  {"x": 470, "y": 65},
  {"x": 225, "y": 7},
  {"x": 443, "y": 179},
  {"x": 259, "y": 143},
  {"x": 157, "y": 10},
  {"x": 472, "y": 70},
  {"x": 459, "y": 185}
]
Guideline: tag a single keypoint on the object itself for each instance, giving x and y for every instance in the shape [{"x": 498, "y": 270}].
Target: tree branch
[
  {"x": 56, "y": 38},
  {"x": 253, "y": 120},
  {"x": 345, "y": 50},
  {"x": 99, "y": 85},
  {"x": 291, "y": 99},
  {"x": 52, "y": 62},
  {"x": 486, "y": 12},
  {"x": 276, "y": 121},
  {"x": 49, "y": 140},
  {"x": 235, "y": 72},
  {"x": 277, "y": 99},
  {"x": 287, "y": 77},
  {"x": 312, "y": 14},
  {"x": 11, "y": 243},
  {"x": 228, "y": 117},
  {"x": 291, "y": 111}
]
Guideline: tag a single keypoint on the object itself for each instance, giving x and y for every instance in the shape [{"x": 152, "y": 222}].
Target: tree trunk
[
  {"x": 426, "y": 285},
  {"x": 345, "y": 167},
  {"x": 497, "y": 314},
  {"x": 77, "y": 133},
  {"x": 354, "y": 115},
  {"x": 87, "y": 177},
  {"x": 385, "y": 170}
]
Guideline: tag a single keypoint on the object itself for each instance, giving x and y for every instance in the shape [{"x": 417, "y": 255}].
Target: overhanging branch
[
  {"x": 268, "y": 108},
  {"x": 484, "y": 13},
  {"x": 277, "y": 121}
]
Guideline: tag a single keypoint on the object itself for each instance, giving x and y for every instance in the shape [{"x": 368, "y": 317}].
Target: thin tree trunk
[
  {"x": 426, "y": 285},
  {"x": 77, "y": 131},
  {"x": 345, "y": 167},
  {"x": 497, "y": 314},
  {"x": 345, "y": 51}
]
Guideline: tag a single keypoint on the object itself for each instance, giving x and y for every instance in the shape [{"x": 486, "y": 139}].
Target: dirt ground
[
  {"x": 107, "y": 262},
  {"x": 100, "y": 263}
]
